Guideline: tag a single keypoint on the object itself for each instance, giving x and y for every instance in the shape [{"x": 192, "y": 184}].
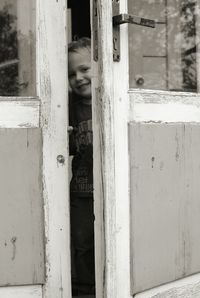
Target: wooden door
[
  {"x": 146, "y": 168},
  {"x": 34, "y": 250}
]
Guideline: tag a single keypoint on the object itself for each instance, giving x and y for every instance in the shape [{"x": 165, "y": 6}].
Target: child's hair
[{"x": 83, "y": 42}]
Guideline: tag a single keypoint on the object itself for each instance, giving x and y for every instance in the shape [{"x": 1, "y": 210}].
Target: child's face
[{"x": 80, "y": 72}]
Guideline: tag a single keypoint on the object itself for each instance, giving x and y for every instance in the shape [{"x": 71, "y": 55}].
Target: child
[{"x": 81, "y": 186}]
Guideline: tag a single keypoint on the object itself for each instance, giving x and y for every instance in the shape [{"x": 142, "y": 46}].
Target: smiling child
[{"x": 81, "y": 186}]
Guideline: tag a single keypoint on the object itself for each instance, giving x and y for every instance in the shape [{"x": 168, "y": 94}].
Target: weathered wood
[
  {"x": 21, "y": 292},
  {"x": 18, "y": 113},
  {"x": 184, "y": 288},
  {"x": 110, "y": 106},
  {"x": 104, "y": 177},
  {"x": 163, "y": 106},
  {"x": 53, "y": 91},
  {"x": 21, "y": 212},
  {"x": 165, "y": 190}
]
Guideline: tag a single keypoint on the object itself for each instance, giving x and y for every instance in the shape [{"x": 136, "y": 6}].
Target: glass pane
[
  {"x": 17, "y": 48},
  {"x": 164, "y": 58}
]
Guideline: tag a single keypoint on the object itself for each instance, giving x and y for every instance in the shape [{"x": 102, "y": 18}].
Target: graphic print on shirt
[{"x": 82, "y": 165}]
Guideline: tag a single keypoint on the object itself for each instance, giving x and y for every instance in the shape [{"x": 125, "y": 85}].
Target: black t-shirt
[{"x": 81, "y": 146}]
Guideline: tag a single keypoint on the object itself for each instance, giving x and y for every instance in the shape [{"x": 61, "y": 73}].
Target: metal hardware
[
  {"x": 60, "y": 159},
  {"x": 124, "y": 18},
  {"x": 139, "y": 80},
  {"x": 116, "y": 33}
]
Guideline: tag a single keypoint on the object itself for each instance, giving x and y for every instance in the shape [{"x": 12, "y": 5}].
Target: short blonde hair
[{"x": 83, "y": 42}]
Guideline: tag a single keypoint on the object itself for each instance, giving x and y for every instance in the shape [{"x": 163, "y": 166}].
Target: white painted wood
[
  {"x": 121, "y": 108},
  {"x": 188, "y": 287},
  {"x": 164, "y": 194},
  {"x": 98, "y": 202},
  {"x": 162, "y": 106},
  {"x": 53, "y": 91},
  {"x": 104, "y": 176},
  {"x": 34, "y": 291},
  {"x": 110, "y": 106},
  {"x": 19, "y": 113}
]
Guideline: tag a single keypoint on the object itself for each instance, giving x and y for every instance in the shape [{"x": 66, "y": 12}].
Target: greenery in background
[
  {"x": 189, "y": 50},
  {"x": 8, "y": 54}
]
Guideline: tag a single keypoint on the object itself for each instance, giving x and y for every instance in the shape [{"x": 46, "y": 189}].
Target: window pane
[
  {"x": 164, "y": 57},
  {"x": 17, "y": 48}
]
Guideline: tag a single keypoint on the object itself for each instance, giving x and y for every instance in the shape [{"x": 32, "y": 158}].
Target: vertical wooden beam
[
  {"x": 121, "y": 118},
  {"x": 104, "y": 160},
  {"x": 110, "y": 115},
  {"x": 53, "y": 90}
]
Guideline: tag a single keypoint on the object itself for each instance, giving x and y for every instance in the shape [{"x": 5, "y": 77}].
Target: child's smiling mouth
[{"x": 82, "y": 86}]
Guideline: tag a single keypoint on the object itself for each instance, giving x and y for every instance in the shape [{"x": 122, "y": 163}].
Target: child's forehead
[{"x": 79, "y": 53}]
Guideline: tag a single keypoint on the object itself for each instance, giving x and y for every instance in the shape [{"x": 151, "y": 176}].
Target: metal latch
[
  {"x": 131, "y": 19},
  {"x": 124, "y": 18}
]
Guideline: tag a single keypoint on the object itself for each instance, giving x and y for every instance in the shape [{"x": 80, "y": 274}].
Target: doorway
[{"x": 81, "y": 156}]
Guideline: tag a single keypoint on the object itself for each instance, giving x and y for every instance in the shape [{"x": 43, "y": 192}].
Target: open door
[
  {"x": 34, "y": 232},
  {"x": 146, "y": 148}
]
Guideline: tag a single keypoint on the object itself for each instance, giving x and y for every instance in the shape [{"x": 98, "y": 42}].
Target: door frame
[
  {"x": 52, "y": 86},
  {"x": 111, "y": 193}
]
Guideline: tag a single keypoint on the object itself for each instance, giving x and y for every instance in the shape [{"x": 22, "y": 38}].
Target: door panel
[
  {"x": 164, "y": 181},
  {"x": 21, "y": 292},
  {"x": 22, "y": 249}
]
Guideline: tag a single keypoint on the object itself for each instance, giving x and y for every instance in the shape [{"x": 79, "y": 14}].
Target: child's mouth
[{"x": 83, "y": 86}]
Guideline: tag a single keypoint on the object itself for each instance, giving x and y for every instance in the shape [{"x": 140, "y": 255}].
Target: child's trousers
[{"x": 82, "y": 238}]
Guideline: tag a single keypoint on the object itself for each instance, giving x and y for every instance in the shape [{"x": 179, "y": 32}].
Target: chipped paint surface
[
  {"x": 163, "y": 106},
  {"x": 34, "y": 291},
  {"x": 53, "y": 92},
  {"x": 165, "y": 204},
  {"x": 21, "y": 114},
  {"x": 184, "y": 288}
]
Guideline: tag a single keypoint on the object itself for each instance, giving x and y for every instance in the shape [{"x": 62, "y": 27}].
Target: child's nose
[{"x": 79, "y": 76}]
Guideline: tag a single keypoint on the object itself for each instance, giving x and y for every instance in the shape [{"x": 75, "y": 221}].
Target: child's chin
[{"x": 85, "y": 94}]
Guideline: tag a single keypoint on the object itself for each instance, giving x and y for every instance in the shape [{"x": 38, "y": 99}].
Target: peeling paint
[
  {"x": 177, "y": 154},
  {"x": 13, "y": 241},
  {"x": 152, "y": 159}
]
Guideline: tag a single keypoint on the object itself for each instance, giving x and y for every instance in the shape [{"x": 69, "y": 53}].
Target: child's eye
[
  {"x": 71, "y": 75},
  {"x": 84, "y": 69}
]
